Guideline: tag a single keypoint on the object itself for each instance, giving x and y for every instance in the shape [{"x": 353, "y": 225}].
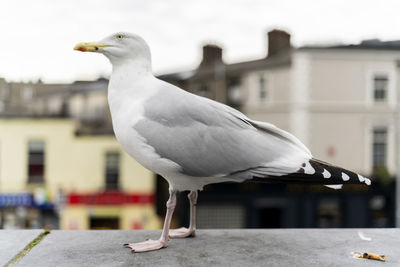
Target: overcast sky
[{"x": 37, "y": 37}]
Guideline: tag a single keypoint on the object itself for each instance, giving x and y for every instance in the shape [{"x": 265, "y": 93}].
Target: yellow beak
[{"x": 90, "y": 47}]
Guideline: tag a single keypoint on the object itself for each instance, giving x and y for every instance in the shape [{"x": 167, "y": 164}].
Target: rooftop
[
  {"x": 371, "y": 44},
  {"x": 258, "y": 247}
]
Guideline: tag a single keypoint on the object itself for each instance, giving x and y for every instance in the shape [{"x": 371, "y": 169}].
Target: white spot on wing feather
[
  {"x": 335, "y": 186},
  {"x": 345, "y": 177},
  {"x": 326, "y": 174},
  {"x": 308, "y": 169},
  {"x": 363, "y": 179}
]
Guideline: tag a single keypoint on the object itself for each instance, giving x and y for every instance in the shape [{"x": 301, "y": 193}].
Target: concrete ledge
[
  {"x": 259, "y": 247},
  {"x": 12, "y": 242}
]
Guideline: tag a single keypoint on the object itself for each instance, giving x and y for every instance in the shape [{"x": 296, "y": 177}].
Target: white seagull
[{"x": 193, "y": 141}]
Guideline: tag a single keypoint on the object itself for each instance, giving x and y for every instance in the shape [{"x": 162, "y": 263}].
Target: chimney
[
  {"x": 278, "y": 41},
  {"x": 211, "y": 54}
]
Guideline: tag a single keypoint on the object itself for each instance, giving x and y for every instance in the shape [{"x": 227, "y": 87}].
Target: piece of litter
[
  {"x": 363, "y": 237},
  {"x": 370, "y": 256}
]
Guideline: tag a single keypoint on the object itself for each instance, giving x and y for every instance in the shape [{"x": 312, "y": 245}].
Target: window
[
  {"x": 262, "y": 91},
  {"x": 379, "y": 148},
  {"x": 379, "y": 211},
  {"x": 329, "y": 213},
  {"x": 104, "y": 223},
  {"x": 112, "y": 170},
  {"x": 27, "y": 93},
  {"x": 235, "y": 94},
  {"x": 270, "y": 217},
  {"x": 4, "y": 93},
  {"x": 35, "y": 161},
  {"x": 380, "y": 87},
  {"x": 221, "y": 216},
  {"x": 203, "y": 90}
]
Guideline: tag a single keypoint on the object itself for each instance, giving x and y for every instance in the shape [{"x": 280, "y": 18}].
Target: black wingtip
[
  {"x": 318, "y": 172},
  {"x": 336, "y": 175}
]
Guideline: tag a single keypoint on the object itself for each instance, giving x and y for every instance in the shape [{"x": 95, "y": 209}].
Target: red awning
[{"x": 110, "y": 198}]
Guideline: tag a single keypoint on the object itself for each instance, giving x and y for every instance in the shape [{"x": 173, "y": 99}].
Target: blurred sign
[
  {"x": 110, "y": 198},
  {"x": 12, "y": 200}
]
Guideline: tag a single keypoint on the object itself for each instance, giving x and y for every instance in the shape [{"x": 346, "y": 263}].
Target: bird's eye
[{"x": 119, "y": 36}]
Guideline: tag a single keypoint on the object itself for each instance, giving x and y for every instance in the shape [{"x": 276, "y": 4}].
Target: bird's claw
[{"x": 148, "y": 245}]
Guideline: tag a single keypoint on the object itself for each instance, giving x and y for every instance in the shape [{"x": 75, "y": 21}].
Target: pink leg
[
  {"x": 183, "y": 231},
  {"x": 150, "y": 245}
]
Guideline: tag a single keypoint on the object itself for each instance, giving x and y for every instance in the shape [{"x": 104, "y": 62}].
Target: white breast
[{"x": 127, "y": 109}]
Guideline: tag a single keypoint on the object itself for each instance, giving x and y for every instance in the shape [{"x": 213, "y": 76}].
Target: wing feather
[{"x": 207, "y": 138}]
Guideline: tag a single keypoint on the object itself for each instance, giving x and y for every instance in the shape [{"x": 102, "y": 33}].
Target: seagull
[{"x": 193, "y": 141}]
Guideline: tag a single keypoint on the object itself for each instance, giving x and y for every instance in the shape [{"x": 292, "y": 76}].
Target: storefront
[
  {"x": 21, "y": 211},
  {"x": 109, "y": 210}
]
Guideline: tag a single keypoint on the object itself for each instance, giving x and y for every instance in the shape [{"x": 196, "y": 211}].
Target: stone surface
[
  {"x": 258, "y": 247},
  {"x": 12, "y": 242}
]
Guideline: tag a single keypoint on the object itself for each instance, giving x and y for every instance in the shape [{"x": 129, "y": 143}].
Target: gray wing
[{"x": 208, "y": 139}]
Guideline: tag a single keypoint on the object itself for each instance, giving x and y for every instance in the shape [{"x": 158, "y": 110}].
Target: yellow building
[{"x": 88, "y": 182}]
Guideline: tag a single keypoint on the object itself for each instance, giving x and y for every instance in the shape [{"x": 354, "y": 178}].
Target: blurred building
[
  {"x": 341, "y": 101},
  {"x": 83, "y": 101},
  {"x": 335, "y": 99},
  {"x": 50, "y": 177}
]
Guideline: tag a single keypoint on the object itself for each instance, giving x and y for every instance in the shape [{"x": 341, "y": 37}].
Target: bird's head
[{"x": 120, "y": 48}]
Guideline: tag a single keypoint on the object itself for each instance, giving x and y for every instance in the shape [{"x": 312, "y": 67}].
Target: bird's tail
[{"x": 318, "y": 172}]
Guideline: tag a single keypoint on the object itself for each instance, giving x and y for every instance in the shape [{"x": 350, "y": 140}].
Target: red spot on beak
[{"x": 83, "y": 49}]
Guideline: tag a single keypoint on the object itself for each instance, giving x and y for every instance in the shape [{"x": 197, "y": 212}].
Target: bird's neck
[
  {"x": 129, "y": 73},
  {"x": 135, "y": 67},
  {"x": 129, "y": 80}
]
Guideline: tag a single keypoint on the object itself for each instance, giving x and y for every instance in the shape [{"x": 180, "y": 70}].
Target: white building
[{"x": 341, "y": 101}]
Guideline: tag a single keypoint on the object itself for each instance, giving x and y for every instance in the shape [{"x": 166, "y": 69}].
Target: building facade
[
  {"x": 335, "y": 99},
  {"x": 50, "y": 177},
  {"x": 341, "y": 101}
]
